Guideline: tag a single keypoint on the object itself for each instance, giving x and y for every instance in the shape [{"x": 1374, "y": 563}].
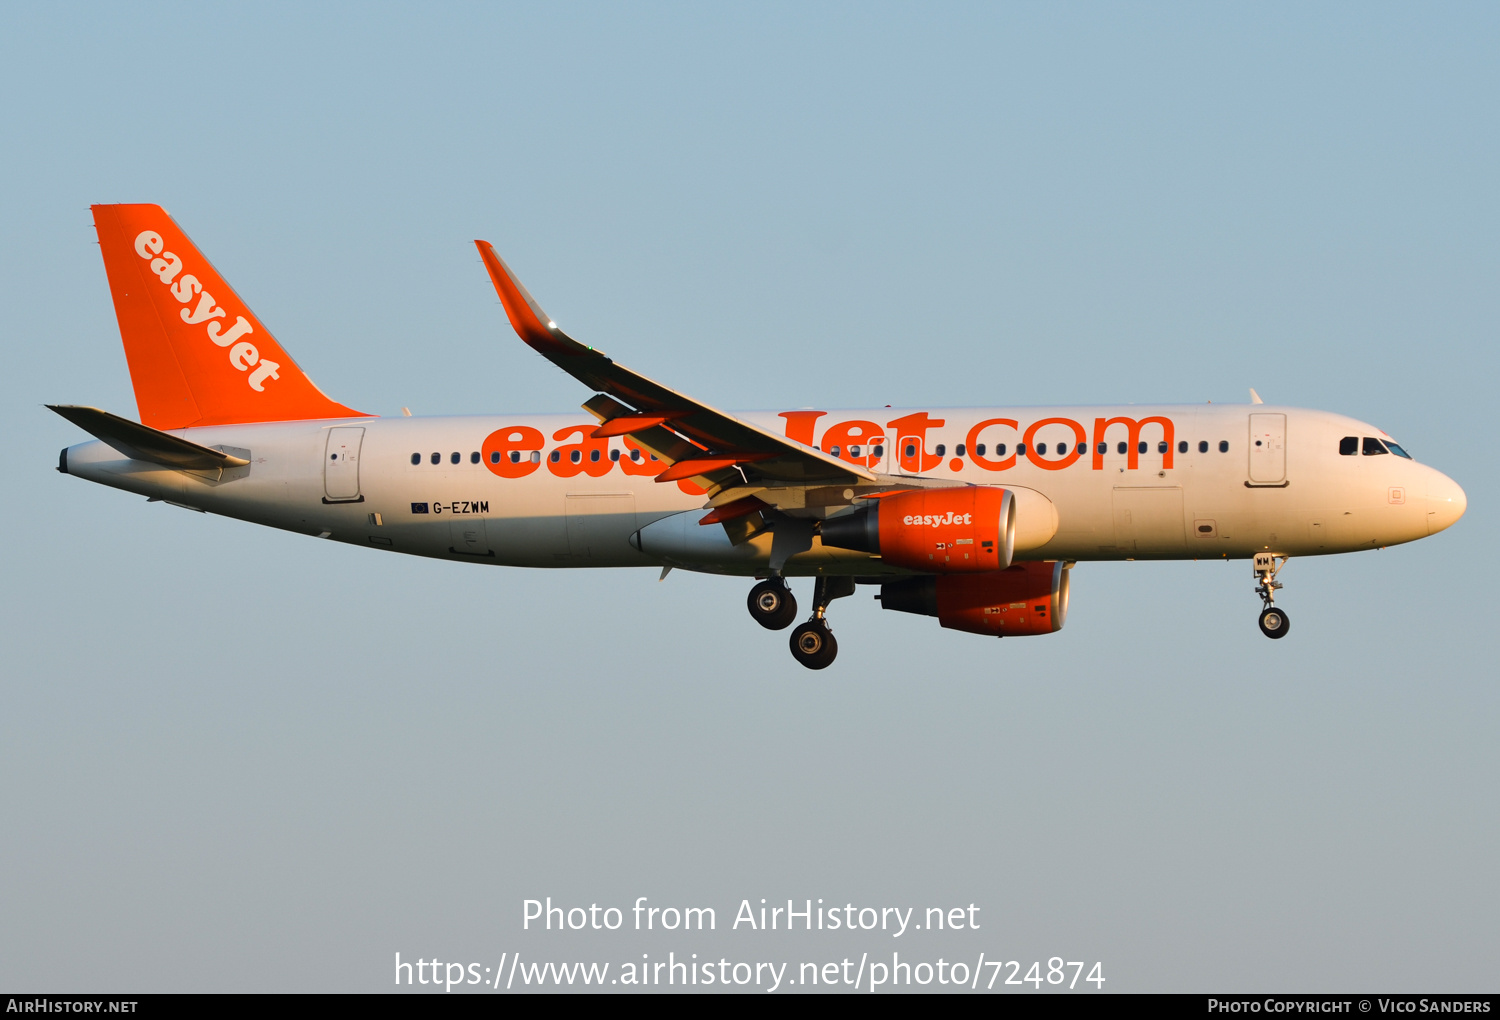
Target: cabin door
[
  {"x": 341, "y": 465},
  {"x": 1267, "y": 449}
]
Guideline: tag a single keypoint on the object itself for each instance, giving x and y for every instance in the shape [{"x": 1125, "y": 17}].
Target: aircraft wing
[{"x": 713, "y": 448}]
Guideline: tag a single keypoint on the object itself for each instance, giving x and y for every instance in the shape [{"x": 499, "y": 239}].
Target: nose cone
[{"x": 1446, "y": 502}]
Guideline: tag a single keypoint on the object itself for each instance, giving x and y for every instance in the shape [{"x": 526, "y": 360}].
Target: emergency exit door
[
  {"x": 341, "y": 465},
  {"x": 909, "y": 450}
]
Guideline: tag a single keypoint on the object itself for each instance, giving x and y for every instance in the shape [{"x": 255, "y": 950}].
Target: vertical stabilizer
[{"x": 197, "y": 354}]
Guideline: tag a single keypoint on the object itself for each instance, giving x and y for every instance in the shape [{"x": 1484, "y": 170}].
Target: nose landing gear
[
  {"x": 813, "y": 643},
  {"x": 1274, "y": 623}
]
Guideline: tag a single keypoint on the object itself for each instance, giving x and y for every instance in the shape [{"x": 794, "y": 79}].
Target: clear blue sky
[{"x": 232, "y": 758}]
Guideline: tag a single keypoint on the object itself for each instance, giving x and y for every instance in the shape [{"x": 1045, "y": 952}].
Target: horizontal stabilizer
[{"x": 141, "y": 442}]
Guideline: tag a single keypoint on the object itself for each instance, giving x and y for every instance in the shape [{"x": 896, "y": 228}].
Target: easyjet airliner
[{"x": 973, "y": 515}]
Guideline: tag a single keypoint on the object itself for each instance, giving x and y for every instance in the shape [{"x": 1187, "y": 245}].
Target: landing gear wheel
[
  {"x": 813, "y": 644},
  {"x": 772, "y": 605},
  {"x": 1274, "y": 623}
]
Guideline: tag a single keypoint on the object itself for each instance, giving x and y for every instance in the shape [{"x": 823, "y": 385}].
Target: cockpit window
[
  {"x": 1348, "y": 446},
  {"x": 1396, "y": 450},
  {"x": 1373, "y": 446}
]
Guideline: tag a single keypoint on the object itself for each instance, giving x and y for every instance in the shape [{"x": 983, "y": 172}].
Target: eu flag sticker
[{"x": 419, "y": 508}]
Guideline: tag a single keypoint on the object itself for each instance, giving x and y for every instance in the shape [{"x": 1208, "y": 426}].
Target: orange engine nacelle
[
  {"x": 947, "y": 531},
  {"x": 1029, "y": 598}
]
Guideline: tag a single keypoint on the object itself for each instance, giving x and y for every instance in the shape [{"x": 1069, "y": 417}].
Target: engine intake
[
  {"x": 946, "y": 531},
  {"x": 1028, "y": 598}
]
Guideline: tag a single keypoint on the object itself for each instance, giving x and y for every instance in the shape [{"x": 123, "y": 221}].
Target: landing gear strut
[
  {"x": 772, "y": 605},
  {"x": 1274, "y": 623},
  {"x": 812, "y": 643}
]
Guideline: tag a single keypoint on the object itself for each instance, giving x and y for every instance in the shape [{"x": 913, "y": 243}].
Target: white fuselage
[{"x": 1221, "y": 495}]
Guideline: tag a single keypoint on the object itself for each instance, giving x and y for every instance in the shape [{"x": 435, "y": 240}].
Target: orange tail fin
[{"x": 197, "y": 354}]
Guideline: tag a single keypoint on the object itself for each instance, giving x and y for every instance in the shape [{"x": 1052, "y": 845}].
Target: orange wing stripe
[
  {"x": 730, "y": 511},
  {"x": 626, "y": 424},
  {"x": 704, "y": 465}
]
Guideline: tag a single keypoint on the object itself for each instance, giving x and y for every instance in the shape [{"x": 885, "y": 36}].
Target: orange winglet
[
  {"x": 741, "y": 507},
  {"x": 703, "y": 465},
  {"x": 628, "y": 423},
  {"x": 526, "y": 316}
]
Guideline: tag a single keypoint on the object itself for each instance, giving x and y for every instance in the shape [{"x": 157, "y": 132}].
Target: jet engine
[
  {"x": 947, "y": 531},
  {"x": 1028, "y": 598}
]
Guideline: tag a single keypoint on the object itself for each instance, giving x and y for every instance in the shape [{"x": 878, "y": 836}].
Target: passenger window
[
  {"x": 1348, "y": 446},
  {"x": 942, "y": 451},
  {"x": 614, "y": 454},
  {"x": 879, "y": 450},
  {"x": 1120, "y": 448},
  {"x": 1396, "y": 450},
  {"x": 437, "y": 458},
  {"x": 556, "y": 456},
  {"x": 999, "y": 449},
  {"x": 594, "y": 456},
  {"x": 854, "y": 451},
  {"x": 576, "y": 456},
  {"x": 536, "y": 456},
  {"x": 1083, "y": 448},
  {"x": 1161, "y": 447},
  {"x": 1103, "y": 448},
  {"x": 1182, "y": 446},
  {"x": 1223, "y": 446},
  {"x": 416, "y": 458},
  {"x": 1140, "y": 447},
  {"x": 635, "y": 455},
  {"x": 833, "y": 451},
  {"x": 455, "y": 457},
  {"x": 1020, "y": 449},
  {"x": 1203, "y": 446},
  {"x": 911, "y": 450},
  {"x": 474, "y": 457},
  {"x": 1041, "y": 449},
  {"x": 958, "y": 451},
  {"x": 1374, "y": 447}
]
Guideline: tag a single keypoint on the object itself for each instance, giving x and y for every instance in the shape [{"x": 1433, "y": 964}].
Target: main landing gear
[
  {"x": 1274, "y": 623},
  {"x": 772, "y": 605},
  {"x": 813, "y": 644}
]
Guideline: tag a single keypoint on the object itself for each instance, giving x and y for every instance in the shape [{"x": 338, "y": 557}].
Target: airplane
[{"x": 972, "y": 515}]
